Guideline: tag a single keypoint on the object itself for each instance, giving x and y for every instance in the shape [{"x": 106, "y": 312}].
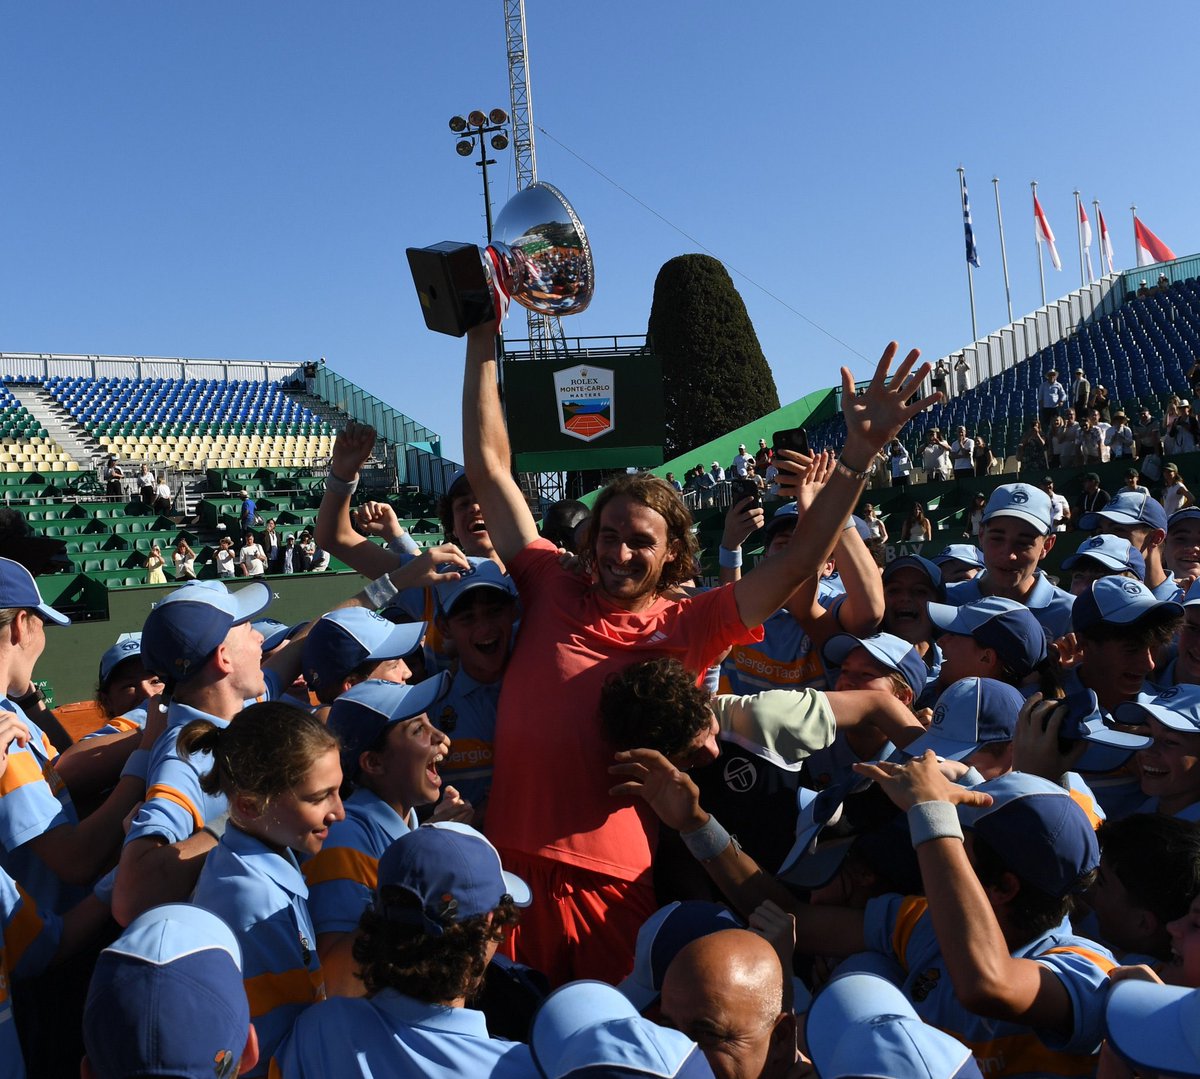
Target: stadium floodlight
[
  {"x": 457, "y": 124},
  {"x": 476, "y": 118},
  {"x": 499, "y": 142},
  {"x": 476, "y": 126},
  {"x": 498, "y": 116},
  {"x": 464, "y": 147}
]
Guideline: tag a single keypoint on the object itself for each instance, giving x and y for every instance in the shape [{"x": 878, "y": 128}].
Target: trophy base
[{"x": 452, "y": 285}]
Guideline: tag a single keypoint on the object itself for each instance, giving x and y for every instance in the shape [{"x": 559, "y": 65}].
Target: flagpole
[
  {"x": 1100, "y": 234},
  {"x": 1003, "y": 254},
  {"x": 1079, "y": 236},
  {"x": 1037, "y": 235},
  {"x": 1137, "y": 252},
  {"x": 962, "y": 195}
]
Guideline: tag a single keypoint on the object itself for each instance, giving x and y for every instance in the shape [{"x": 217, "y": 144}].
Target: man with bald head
[{"x": 725, "y": 992}]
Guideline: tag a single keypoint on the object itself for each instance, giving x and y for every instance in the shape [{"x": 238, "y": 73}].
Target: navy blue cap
[
  {"x": 1117, "y": 601},
  {"x": 893, "y": 652},
  {"x": 360, "y": 715},
  {"x": 346, "y": 638},
  {"x": 969, "y": 714},
  {"x": 19, "y": 589},
  {"x": 1008, "y": 627},
  {"x": 917, "y": 562}
]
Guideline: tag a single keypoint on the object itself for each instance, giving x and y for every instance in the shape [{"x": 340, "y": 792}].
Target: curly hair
[
  {"x": 266, "y": 750},
  {"x": 654, "y": 704},
  {"x": 660, "y": 496},
  {"x": 434, "y": 969}
]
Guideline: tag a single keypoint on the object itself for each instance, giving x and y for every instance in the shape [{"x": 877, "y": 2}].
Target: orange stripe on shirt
[
  {"x": 910, "y": 913},
  {"x": 170, "y": 794},
  {"x": 341, "y": 863},
  {"x": 299, "y": 986},
  {"x": 1102, "y": 961},
  {"x": 22, "y": 930},
  {"x": 23, "y": 768},
  {"x": 1025, "y": 1054},
  {"x": 1088, "y": 805}
]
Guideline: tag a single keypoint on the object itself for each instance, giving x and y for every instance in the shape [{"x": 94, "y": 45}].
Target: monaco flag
[
  {"x": 1105, "y": 242},
  {"x": 1150, "y": 248},
  {"x": 1041, "y": 229},
  {"x": 1085, "y": 231}
]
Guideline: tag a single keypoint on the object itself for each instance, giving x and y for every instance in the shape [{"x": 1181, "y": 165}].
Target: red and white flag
[
  {"x": 1150, "y": 248},
  {"x": 1085, "y": 229},
  {"x": 1105, "y": 242},
  {"x": 1041, "y": 228}
]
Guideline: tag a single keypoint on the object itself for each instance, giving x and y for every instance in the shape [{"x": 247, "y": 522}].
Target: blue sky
[{"x": 241, "y": 180}]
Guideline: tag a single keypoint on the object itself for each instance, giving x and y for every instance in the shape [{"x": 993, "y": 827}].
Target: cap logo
[
  {"x": 1169, "y": 693},
  {"x": 1096, "y": 541},
  {"x": 129, "y": 646},
  {"x": 1131, "y": 588},
  {"x": 939, "y": 714},
  {"x": 463, "y": 574},
  {"x": 1019, "y": 498}
]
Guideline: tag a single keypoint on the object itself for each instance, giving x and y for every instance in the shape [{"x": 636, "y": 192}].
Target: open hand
[
  {"x": 920, "y": 780},
  {"x": 351, "y": 449},
  {"x": 437, "y": 565},
  {"x": 877, "y": 416},
  {"x": 648, "y": 775},
  {"x": 741, "y": 521}
]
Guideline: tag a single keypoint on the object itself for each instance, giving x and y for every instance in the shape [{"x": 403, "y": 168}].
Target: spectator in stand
[
  {"x": 184, "y": 559},
  {"x": 940, "y": 379},
  {"x": 1175, "y": 495},
  {"x": 1054, "y": 442},
  {"x": 973, "y": 517},
  {"x": 762, "y": 457},
  {"x": 1147, "y": 434},
  {"x": 917, "y": 527},
  {"x": 670, "y": 477},
  {"x": 306, "y": 550},
  {"x": 252, "y": 558},
  {"x": 164, "y": 500},
  {"x": 935, "y": 456},
  {"x": 1183, "y": 434},
  {"x": 738, "y": 468},
  {"x": 1032, "y": 457},
  {"x": 271, "y": 542},
  {"x": 225, "y": 557},
  {"x": 1100, "y": 402},
  {"x": 874, "y": 523},
  {"x": 717, "y": 472},
  {"x": 1070, "y": 453},
  {"x": 982, "y": 456},
  {"x": 962, "y": 450},
  {"x": 1131, "y": 484},
  {"x": 899, "y": 463},
  {"x": 155, "y": 564},
  {"x": 248, "y": 515},
  {"x": 288, "y": 554},
  {"x": 1094, "y": 498},
  {"x": 1120, "y": 436},
  {"x": 1051, "y": 397},
  {"x": 1100, "y": 422},
  {"x": 320, "y": 561},
  {"x": 705, "y": 485},
  {"x": 111, "y": 476},
  {"x": 145, "y": 485},
  {"x": 1170, "y": 413},
  {"x": 1091, "y": 442},
  {"x": 1060, "y": 509},
  {"x": 1081, "y": 391},
  {"x": 962, "y": 375}
]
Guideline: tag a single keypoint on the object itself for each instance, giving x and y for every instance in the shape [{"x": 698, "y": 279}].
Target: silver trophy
[{"x": 539, "y": 256}]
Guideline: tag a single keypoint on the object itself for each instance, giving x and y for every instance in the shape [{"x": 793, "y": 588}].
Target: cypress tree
[{"x": 715, "y": 377}]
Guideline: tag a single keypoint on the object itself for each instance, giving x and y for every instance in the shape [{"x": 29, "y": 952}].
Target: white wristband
[
  {"x": 707, "y": 841},
  {"x": 380, "y": 591},
  {"x": 933, "y": 820},
  {"x": 338, "y": 486},
  {"x": 728, "y": 559}
]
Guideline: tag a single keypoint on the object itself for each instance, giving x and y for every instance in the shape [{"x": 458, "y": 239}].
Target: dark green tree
[{"x": 715, "y": 377}]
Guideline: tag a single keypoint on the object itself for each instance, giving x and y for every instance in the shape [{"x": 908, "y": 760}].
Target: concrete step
[{"x": 59, "y": 424}]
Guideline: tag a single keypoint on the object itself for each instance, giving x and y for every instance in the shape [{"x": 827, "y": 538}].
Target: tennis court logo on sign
[{"x": 584, "y": 396}]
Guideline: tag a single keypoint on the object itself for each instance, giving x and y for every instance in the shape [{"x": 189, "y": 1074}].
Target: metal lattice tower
[{"x": 543, "y": 330}]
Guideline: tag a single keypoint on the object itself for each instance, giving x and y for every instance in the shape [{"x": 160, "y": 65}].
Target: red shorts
[{"x": 580, "y": 924}]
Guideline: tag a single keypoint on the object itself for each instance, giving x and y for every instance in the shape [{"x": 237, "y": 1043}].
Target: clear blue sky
[{"x": 241, "y": 179}]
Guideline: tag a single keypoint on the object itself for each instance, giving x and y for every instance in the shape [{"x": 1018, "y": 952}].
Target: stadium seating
[
  {"x": 24, "y": 443},
  {"x": 1141, "y": 354}
]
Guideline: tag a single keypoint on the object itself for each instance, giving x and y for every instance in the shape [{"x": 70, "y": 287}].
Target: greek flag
[{"x": 972, "y": 254}]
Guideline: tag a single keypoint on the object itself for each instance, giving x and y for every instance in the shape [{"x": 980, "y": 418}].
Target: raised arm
[
  {"x": 486, "y": 450},
  {"x": 872, "y": 421}
]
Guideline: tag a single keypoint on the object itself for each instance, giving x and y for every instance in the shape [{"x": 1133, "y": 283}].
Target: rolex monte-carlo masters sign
[{"x": 567, "y": 414}]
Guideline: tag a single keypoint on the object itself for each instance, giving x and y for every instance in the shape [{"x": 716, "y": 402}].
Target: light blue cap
[
  {"x": 1177, "y": 707},
  {"x": 484, "y": 573},
  {"x": 893, "y": 652},
  {"x": 1155, "y": 1027},
  {"x": 967, "y": 553},
  {"x": 1127, "y": 508},
  {"x": 1117, "y": 601},
  {"x": 128, "y": 645},
  {"x": 1115, "y": 553},
  {"x": 1023, "y": 501}
]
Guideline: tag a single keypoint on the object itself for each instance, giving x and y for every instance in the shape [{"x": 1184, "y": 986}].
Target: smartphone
[
  {"x": 795, "y": 439},
  {"x": 744, "y": 488}
]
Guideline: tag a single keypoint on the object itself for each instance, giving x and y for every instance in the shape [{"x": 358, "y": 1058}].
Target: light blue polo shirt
[
  {"x": 33, "y": 800},
  {"x": 901, "y": 927},
  {"x": 175, "y": 807},
  {"x": 784, "y": 659},
  {"x": 262, "y": 897},
  {"x": 12, "y": 1063},
  {"x": 394, "y": 1035},
  {"x": 342, "y": 878},
  {"x": 1050, "y": 605},
  {"x": 467, "y": 715}
]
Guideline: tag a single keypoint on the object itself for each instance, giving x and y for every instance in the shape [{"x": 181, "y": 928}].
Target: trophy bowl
[{"x": 539, "y": 256}]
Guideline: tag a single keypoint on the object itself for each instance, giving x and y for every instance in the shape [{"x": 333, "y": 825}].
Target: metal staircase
[{"x": 59, "y": 424}]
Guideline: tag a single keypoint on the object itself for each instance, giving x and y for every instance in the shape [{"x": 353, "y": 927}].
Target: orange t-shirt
[{"x": 550, "y": 784}]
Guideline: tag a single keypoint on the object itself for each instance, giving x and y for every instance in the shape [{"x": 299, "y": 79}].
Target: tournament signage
[
  {"x": 567, "y": 416},
  {"x": 586, "y": 409}
]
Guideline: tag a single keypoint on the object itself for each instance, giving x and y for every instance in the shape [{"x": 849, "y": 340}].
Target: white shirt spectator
[
  {"x": 739, "y": 463},
  {"x": 225, "y": 560},
  {"x": 254, "y": 559}
]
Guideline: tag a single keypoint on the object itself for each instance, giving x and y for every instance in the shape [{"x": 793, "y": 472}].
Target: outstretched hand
[
  {"x": 877, "y": 416},
  {"x": 377, "y": 519},
  {"x": 648, "y": 775},
  {"x": 351, "y": 449},
  {"x": 742, "y": 520},
  {"x": 442, "y": 564},
  {"x": 920, "y": 780}
]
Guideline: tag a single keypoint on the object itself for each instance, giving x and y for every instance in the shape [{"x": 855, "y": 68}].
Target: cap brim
[
  {"x": 1106, "y": 560},
  {"x": 520, "y": 892},
  {"x": 51, "y": 615},
  {"x": 1134, "y": 712},
  {"x": 946, "y": 617},
  {"x": 1043, "y": 527},
  {"x": 399, "y": 642},
  {"x": 249, "y": 601},
  {"x": 951, "y": 751},
  {"x": 818, "y": 868},
  {"x": 1147, "y": 1024}
]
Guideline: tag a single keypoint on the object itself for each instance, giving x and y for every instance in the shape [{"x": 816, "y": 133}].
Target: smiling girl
[{"x": 280, "y": 770}]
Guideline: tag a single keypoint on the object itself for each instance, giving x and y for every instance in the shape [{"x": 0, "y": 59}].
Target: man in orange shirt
[{"x": 587, "y": 857}]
